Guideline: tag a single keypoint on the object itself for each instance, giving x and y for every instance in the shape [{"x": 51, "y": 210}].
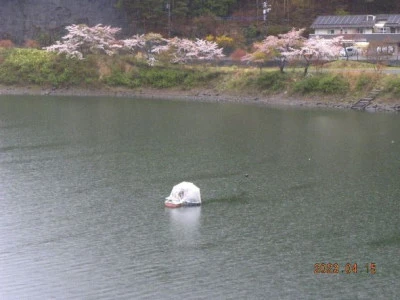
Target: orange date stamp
[{"x": 348, "y": 268}]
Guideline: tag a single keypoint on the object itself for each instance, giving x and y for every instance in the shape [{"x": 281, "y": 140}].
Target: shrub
[
  {"x": 364, "y": 81},
  {"x": 25, "y": 65},
  {"x": 273, "y": 81},
  {"x": 118, "y": 78},
  {"x": 306, "y": 86},
  {"x": 6, "y": 44},
  {"x": 73, "y": 71},
  {"x": 251, "y": 34},
  {"x": 198, "y": 78},
  {"x": 238, "y": 54},
  {"x": 210, "y": 38},
  {"x": 325, "y": 84},
  {"x": 158, "y": 77},
  {"x": 33, "y": 66},
  {"x": 332, "y": 85},
  {"x": 225, "y": 42},
  {"x": 392, "y": 85},
  {"x": 31, "y": 44},
  {"x": 162, "y": 78}
]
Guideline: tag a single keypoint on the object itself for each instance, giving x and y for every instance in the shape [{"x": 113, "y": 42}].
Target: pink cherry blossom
[
  {"x": 135, "y": 43},
  {"x": 184, "y": 50},
  {"x": 82, "y": 40},
  {"x": 315, "y": 49},
  {"x": 273, "y": 47}
]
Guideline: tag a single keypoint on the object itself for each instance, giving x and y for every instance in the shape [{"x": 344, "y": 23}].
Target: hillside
[{"x": 242, "y": 20}]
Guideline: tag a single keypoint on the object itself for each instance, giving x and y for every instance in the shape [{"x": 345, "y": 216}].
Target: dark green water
[{"x": 82, "y": 183}]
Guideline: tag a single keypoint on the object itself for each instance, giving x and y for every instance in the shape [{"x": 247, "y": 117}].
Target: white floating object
[{"x": 183, "y": 194}]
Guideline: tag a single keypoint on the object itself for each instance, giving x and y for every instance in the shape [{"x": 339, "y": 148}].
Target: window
[
  {"x": 360, "y": 30},
  {"x": 384, "y": 29},
  {"x": 331, "y": 31}
]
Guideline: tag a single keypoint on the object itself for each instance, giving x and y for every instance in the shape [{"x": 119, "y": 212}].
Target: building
[{"x": 380, "y": 31}]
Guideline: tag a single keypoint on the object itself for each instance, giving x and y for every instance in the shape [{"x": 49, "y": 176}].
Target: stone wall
[{"x": 45, "y": 20}]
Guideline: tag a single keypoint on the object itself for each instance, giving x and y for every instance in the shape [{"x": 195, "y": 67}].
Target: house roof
[
  {"x": 354, "y": 21},
  {"x": 393, "y": 20}
]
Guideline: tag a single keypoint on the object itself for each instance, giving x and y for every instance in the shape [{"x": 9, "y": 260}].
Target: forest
[{"x": 239, "y": 19}]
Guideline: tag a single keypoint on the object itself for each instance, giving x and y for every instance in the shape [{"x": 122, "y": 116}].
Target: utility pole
[
  {"x": 266, "y": 9},
  {"x": 168, "y": 7},
  {"x": 286, "y": 10},
  {"x": 257, "y": 6}
]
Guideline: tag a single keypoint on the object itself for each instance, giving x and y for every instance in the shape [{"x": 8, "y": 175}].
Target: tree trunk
[
  {"x": 306, "y": 67},
  {"x": 282, "y": 63}
]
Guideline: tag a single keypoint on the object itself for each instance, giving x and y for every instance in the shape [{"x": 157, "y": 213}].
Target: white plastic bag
[{"x": 185, "y": 193}]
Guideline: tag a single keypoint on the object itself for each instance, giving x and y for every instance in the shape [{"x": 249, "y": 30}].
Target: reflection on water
[
  {"x": 184, "y": 225},
  {"x": 83, "y": 180}
]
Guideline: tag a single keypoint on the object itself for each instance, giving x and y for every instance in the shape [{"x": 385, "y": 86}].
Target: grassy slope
[{"x": 338, "y": 81}]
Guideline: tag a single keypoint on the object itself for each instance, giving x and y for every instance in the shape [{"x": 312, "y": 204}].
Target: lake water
[{"x": 82, "y": 184}]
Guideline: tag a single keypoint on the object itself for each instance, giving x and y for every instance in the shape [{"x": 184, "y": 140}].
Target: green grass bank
[{"x": 341, "y": 81}]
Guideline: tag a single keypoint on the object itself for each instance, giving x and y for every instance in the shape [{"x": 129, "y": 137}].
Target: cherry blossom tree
[
  {"x": 183, "y": 50},
  {"x": 315, "y": 49},
  {"x": 180, "y": 50},
  {"x": 69, "y": 50},
  {"x": 82, "y": 40},
  {"x": 146, "y": 44},
  {"x": 276, "y": 46},
  {"x": 207, "y": 50},
  {"x": 135, "y": 43},
  {"x": 265, "y": 50},
  {"x": 152, "y": 42}
]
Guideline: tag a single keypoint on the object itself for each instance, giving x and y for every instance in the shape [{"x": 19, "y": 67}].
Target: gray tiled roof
[
  {"x": 340, "y": 21},
  {"x": 393, "y": 19},
  {"x": 354, "y": 21}
]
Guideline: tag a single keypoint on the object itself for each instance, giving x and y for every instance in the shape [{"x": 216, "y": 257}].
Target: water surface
[{"x": 82, "y": 183}]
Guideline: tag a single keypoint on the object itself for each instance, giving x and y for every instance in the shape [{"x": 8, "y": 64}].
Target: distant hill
[{"x": 243, "y": 20}]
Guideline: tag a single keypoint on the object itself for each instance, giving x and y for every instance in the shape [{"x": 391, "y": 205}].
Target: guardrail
[{"x": 226, "y": 62}]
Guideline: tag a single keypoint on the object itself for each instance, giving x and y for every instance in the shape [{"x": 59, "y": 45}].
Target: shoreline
[{"x": 203, "y": 95}]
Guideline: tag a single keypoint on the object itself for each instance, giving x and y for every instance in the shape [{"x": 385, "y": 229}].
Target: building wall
[
  {"x": 338, "y": 31},
  {"x": 34, "y": 19}
]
